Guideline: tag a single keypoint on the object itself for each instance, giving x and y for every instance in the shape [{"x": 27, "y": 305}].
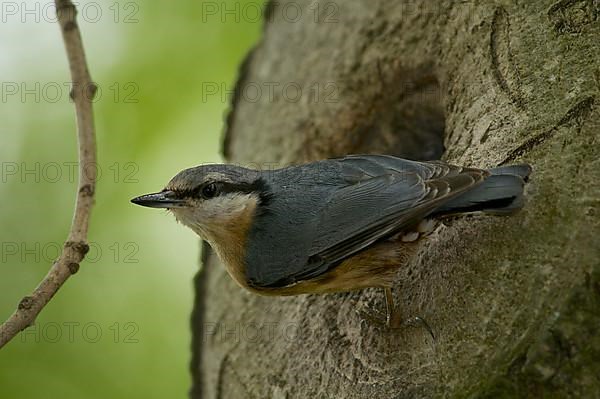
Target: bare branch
[{"x": 75, "y": 247}]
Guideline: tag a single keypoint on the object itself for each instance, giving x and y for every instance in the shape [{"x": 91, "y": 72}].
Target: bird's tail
[{"x": 500, "y": 194}]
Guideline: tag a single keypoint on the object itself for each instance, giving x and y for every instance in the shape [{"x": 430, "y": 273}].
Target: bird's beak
[{"x": 164, "y": 199}]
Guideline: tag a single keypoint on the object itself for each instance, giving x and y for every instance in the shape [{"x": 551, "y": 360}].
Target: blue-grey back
[{"x": 318, "y": 205}]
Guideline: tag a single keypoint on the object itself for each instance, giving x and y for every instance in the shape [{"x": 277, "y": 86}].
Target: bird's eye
[{"x": 209, "y": 190}]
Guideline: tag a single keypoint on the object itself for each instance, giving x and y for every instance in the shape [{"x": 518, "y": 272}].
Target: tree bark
[{"x": 514, "y": 302}]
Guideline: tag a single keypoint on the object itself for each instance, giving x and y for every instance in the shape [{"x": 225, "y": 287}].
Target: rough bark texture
[{"x": 514, "y": 301}]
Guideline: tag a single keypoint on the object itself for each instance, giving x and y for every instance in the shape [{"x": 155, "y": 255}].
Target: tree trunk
[{"x": 514, "y": 302}]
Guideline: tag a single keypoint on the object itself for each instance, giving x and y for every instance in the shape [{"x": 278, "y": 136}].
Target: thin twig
[{"x": 75, "y": 247}]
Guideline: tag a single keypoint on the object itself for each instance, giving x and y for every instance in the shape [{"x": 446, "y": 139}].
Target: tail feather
[
  {"x": 500, "y": 194},
  {"x": 521, "y": 170}
]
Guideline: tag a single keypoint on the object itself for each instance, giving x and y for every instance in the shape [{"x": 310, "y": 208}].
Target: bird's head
[{"x": 215, "y": 201}]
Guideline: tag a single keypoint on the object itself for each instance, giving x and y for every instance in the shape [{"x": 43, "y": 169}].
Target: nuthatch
[{"x": 333, "y": 225}]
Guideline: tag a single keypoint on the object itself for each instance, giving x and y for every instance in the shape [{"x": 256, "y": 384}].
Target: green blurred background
[{"x": 120, "y": 327}]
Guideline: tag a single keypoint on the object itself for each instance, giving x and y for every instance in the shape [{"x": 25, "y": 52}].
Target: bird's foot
[
  {"x": 417, "y": 321},
  {"x": 392, "y": 322}
]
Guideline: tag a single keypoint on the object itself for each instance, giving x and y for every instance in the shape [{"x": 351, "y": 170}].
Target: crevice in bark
[
  {"x": 405, "y": 117},
  {"x": 504, "y": 70},
  {"x": 410, "y": 124},
  {"x": 578, "y": 113}
]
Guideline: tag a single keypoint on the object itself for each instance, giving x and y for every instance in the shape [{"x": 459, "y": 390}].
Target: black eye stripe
[{"x": 258, "y": 187}]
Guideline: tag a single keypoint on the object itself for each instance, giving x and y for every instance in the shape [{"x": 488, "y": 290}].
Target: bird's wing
[
  {"x": 392, "y": 195},
  {"x": 347, "y": 205}
]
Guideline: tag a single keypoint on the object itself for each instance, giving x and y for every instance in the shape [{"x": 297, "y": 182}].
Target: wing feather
[
  {"x": 423, "y": 197},
  {"x": 375, "y": 197}
]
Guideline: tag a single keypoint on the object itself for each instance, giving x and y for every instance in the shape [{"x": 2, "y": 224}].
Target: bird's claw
[
  {"x": 393, "y": 322},
  {"x": 417, "y": 321}
]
